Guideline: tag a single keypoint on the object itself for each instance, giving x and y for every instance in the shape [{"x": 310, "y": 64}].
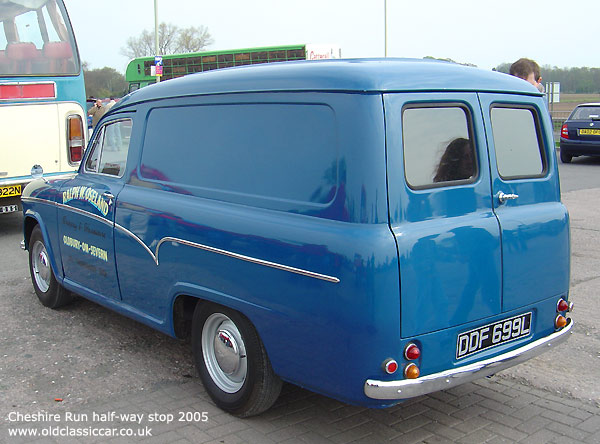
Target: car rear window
[{"x": 586, "y": 113}]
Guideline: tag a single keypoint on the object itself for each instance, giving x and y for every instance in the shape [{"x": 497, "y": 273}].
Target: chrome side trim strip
[
  {"x": 410, "y": 388},
  {"x": 69, "y": 208},
  {"x": 38, "y": 200},
  {"x": 86, "y": 213},
  {"x": 154, "y": 256},
  {"x": 253, "y": 260},
  {"x": 139, "y": 241}
]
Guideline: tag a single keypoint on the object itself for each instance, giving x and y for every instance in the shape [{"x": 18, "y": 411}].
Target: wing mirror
[{"x": 37, "y": 172}]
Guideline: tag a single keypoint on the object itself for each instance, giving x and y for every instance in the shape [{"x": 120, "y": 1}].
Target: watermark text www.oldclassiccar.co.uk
[{"x": 94, "y": 424}]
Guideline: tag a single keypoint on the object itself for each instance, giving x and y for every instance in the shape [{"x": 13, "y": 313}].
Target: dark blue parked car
[
  {"x": 372, "y": 230},
  {"x": 580, "y": 134}
]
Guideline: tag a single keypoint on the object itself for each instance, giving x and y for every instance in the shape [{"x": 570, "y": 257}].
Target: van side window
[
  {"x": 518, "y": 148},
  {"x": 109, "y": 150},
  {"x": 273, "y": 151},
  {"x": 91, "y": 164},
  {"x": 438, "y": 147}
]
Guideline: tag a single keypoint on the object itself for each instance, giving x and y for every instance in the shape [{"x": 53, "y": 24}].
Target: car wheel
[
  {"x": 50, "y": 293},
  {"x": 565, "y": 157},
  {"x": 232, "y": 361}
]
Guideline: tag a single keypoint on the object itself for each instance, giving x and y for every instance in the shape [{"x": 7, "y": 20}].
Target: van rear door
[
  {"x": 441, "y": 211},
  {"x": 526, "y": 199}
]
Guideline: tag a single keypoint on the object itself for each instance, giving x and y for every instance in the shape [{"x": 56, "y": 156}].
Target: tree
[
  {"x": 193, "y": 39},
  {"x": 104, "y": 82},
  {"x": 171, "y": 40}
]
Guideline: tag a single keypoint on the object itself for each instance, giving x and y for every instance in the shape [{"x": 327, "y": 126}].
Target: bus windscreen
[{"x": 36, "y": 39}]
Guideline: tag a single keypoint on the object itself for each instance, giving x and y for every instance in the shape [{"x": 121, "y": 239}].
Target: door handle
[
  {"x": 502, "y": 197},
  {"x": 109, "y": 196}
]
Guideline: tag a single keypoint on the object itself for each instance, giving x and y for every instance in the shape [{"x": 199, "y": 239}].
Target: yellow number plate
[
  {"x": 13, "y": 190},
  {"x": 589, "y": 132}
]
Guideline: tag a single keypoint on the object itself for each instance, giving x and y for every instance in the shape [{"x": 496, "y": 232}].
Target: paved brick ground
[{"x": 497, "y": 410}]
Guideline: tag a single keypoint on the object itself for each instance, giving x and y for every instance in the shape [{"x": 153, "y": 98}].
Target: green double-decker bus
[{"x": 141, "y": 71}]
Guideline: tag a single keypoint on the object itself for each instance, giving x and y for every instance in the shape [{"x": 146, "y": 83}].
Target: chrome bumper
[{"x": 410, "y": 388}]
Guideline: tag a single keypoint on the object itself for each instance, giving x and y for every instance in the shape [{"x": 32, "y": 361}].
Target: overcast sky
[{"x": 483, "y": 32}]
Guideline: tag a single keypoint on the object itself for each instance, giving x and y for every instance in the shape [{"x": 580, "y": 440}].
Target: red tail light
[
  {"x": 564, "y": 132},
  {"x": 562, "y": 305},
  {"x": 390, "y": 366},
  {"x": 75, "y": 139},
  {"x": 412, "y": 352}
]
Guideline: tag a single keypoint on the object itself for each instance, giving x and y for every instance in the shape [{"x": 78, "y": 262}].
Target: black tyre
[
  {"x": 232, "y": 361},
  {"x": 50, "y": 293},
  {"x": 565, "y": 157}
]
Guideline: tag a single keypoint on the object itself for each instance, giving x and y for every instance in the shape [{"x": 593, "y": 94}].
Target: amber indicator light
[
  {"x": 560, "y": 321},
  {"x": 412, "y": 371}
]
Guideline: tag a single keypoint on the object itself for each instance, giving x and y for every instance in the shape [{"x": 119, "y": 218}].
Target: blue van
[{"x": 372, "y": 230}]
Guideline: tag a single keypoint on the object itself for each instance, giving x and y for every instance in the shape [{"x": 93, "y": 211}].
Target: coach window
[{"x": 438, "y": 146}]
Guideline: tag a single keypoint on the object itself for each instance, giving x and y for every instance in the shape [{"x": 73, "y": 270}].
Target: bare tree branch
[
  {"x": 193, "y": 39},
  {"x": 171, "y": 40}
]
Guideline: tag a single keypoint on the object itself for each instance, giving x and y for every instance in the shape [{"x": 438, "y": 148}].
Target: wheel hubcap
[
  {"x": 224, "y": 353},
  {"x": 227, "y": 352},
  {"x": 41, "y": 266}
]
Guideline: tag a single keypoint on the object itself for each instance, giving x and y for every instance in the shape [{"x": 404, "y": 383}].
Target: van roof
[{"x": 348, "y": 75}]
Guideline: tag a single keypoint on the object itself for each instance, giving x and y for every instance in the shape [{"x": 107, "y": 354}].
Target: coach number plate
[
  {"x": 491, "y": 335},
  {"x": 13, "y": 190}
]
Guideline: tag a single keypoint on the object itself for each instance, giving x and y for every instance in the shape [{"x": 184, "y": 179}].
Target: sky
[{"x": 483, "y": 32}]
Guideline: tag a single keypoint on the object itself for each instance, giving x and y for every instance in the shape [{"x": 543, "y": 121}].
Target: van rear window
[
  {"x": 438, "y": 148},
  {"x": 274, "y": 151},
  {"x": 517, "y": 142}
]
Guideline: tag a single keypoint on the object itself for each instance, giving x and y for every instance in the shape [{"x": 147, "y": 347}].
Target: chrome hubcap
[
  {"x": 41, "y": 266},
  {"x": 224, "y": 353},
  {"x": 227, "y": 352}
]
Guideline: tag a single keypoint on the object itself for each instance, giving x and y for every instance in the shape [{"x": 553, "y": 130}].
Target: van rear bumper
[{"x": 410, "y": 388}]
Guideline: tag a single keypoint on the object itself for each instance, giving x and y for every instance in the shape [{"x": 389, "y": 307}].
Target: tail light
[
  {"x": 564, "y": 132},
  {"x": 390, "y": 366},
  {"x": 75, "y": 139},
  {"x": 563, "y": 305},
  {"x": 412, "y": 352}
]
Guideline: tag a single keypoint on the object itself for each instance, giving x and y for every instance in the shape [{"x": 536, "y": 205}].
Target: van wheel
[
  {"x": 232, "y": 361},
  {"x": 50, "y": 293},
  {"x": 564, "y": 157}
]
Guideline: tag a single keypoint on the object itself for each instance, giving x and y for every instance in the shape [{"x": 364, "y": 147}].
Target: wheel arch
[
  {"x": 29, "y": 223},
  {"x": 32, "y": 220},
  {"x": 182, "y": 314},
  {"x": 185, "y": 301}
]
